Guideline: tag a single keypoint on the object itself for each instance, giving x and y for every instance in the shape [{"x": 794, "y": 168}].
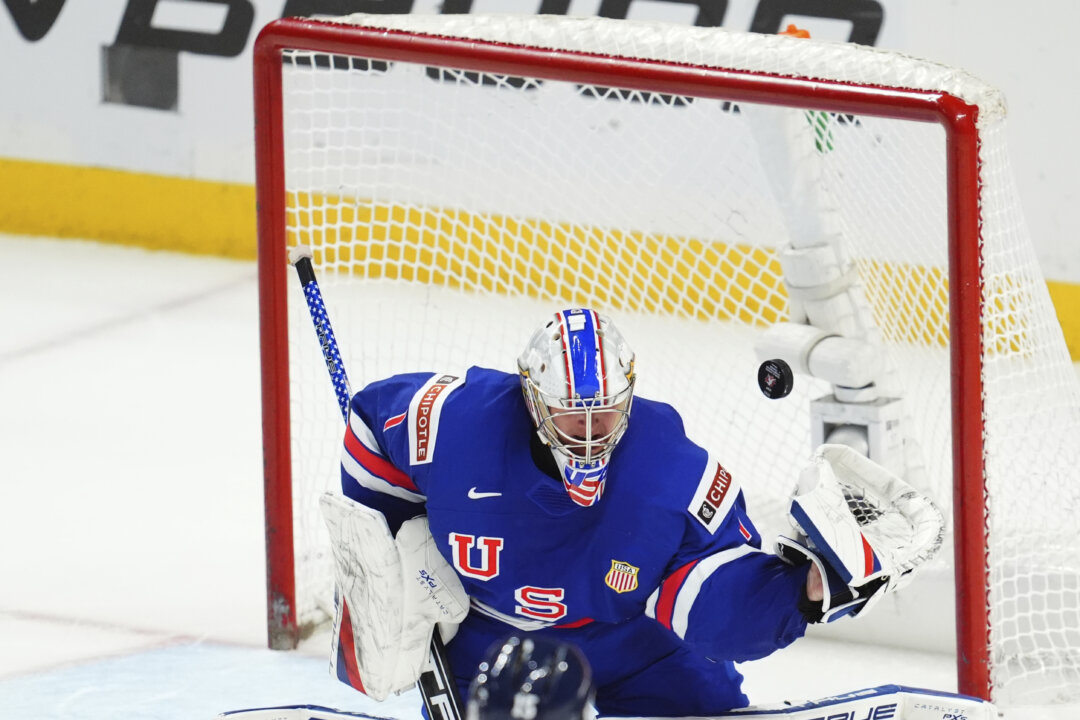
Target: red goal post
[{"x": 353, "y": 231}]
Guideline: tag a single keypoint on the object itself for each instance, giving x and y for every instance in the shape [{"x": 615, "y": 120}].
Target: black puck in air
[{"x": 775, "y": 379}]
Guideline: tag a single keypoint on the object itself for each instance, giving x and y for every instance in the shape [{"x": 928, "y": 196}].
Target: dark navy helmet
[{"x": 531, "y": 677}]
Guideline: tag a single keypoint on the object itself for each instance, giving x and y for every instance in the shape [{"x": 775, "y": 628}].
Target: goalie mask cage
[{"x": 459, "y": 178}]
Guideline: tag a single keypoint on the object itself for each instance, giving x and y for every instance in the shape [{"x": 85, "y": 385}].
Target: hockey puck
[{"x": 775, "y": 379}]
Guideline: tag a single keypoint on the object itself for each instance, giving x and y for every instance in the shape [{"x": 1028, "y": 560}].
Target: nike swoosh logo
[{"x": 474, "y": 495}]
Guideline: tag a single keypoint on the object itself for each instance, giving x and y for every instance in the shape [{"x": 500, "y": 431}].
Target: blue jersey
[{"x": 662, "y": 583}]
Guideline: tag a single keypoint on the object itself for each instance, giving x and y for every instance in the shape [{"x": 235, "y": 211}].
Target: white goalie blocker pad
[
  {"x": 864, "y": 526},
  {"x": 395, "y": 591}
]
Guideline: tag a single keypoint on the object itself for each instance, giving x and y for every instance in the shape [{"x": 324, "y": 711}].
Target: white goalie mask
[{"x": 577, "y": 374}]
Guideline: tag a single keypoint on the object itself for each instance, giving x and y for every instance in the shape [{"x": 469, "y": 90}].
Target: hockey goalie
[{"x": 552, "y": 501}]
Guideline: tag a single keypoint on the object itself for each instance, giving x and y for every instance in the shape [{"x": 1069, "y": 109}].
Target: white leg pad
[{"x": 396, "y": 591}]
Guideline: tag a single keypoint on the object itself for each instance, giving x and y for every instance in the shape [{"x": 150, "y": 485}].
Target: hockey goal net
[{"x": 460, "y": 178}]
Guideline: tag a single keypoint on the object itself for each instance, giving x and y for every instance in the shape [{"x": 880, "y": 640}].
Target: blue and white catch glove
[{"x": 864, "y": 528}]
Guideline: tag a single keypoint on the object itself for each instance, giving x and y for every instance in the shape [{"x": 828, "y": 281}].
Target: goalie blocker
[{"x": 886, "y": 702}]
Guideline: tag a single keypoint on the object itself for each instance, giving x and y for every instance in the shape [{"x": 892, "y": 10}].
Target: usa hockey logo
[{"x": 622, "y": 577}]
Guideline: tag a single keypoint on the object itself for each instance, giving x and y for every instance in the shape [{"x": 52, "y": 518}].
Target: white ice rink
[{"x": 132, "y": 578}]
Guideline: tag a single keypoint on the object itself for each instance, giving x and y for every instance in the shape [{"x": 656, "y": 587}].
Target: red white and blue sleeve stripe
[
  {"x": 364, "y": 462},
  {"x": 740, "y": 603},
  {"x": 670, "y": 604}
]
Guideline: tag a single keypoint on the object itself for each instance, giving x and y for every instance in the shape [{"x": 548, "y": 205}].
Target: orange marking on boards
[{"x": 795, "y": 31}]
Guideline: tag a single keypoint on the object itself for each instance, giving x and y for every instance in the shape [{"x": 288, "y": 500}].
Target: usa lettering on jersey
[
  {"x": 424, "y": 410},
  {"x": 715, "y": 494},
  {"x": 487, "y": 549},
  {"x": 540, "y": 603}
]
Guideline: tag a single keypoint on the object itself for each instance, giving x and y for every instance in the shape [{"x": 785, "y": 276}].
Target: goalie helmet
[
  {"x": 531, "y": 678},
  {"x": 577, "y": 374}
]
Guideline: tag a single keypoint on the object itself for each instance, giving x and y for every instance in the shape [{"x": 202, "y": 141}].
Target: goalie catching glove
[
  {"x": 391, "y": 594},
  {"x": 864, "y": 528}
]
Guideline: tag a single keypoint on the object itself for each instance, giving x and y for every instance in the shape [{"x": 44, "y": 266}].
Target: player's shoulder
[
  {"x": 476, "y": 381},
  {"x": 658, "y": 439},
  {"x": 692, "y": 481},
  {"x": 490, "y": 381},
  {"x": 396, "y": 384},
  {"x": 482, "y": 390},
  {"x": 417, "y": 409},
  {"x": 656, "y": 452},
  {"x": 657, "y": 417}
]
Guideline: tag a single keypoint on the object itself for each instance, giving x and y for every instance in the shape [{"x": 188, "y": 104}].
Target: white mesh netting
[{"x": 451, "y": 212}]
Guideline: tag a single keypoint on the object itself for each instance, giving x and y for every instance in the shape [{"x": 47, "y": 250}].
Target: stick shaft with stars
[
  {"x": 436, "y": 683},
  {"x": 301, "y": 260}
]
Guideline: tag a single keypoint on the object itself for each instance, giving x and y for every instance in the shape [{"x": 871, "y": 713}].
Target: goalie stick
[{"x": 436, "y": 684}]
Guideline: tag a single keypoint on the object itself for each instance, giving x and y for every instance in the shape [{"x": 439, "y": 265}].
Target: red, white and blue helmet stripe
[{"x": 585, "y": 374}]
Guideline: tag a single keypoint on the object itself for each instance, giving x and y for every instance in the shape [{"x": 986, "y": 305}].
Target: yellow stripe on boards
[
  {"x": 572, "y": 263},
  {"x": 126, "y": 208},
  {"x": 580, "y": 264},
  {"x": 626, "y": 270},
  {"x": 1066, "y": 299}
]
